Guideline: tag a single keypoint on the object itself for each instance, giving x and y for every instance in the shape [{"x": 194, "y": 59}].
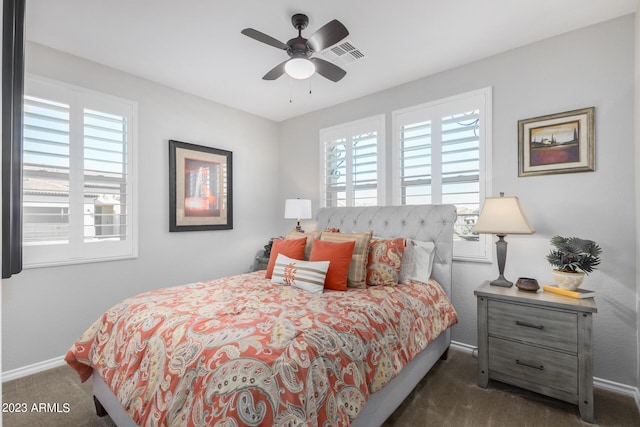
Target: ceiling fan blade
[
  {"x": 327, "y": 69},
  {"x": 275, "y": 72},
  {"x": 262, "y": 37},
  {"x": 328, "y": 35}
]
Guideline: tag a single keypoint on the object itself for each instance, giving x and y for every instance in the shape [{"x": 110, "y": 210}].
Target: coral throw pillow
[
  {"x": 385, "y": 260},
  {"x": 358, "y": 268},
  {"x": 293, "y": 248},
  {"x": 339, "y": 256},
  {"x": 310, "y": 236}
]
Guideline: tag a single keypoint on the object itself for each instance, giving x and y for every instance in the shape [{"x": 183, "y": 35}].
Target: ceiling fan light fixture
[
  {"x": 302, "y": 65},
  {"x": 299, "y": 68}
]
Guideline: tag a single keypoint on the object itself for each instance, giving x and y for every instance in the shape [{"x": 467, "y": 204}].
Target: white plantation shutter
[
  {"x": 415, "y": 163},
  {"x": 352, "y": 163},
  {"x": 46, "y": 163},
  {"x": 365, "y": 168},
  {"x": 79, "y": 202},
  {"x": 105, "y": 176},
  {"x": 441, "y": 150},
  {"x": 461, "y": 161},
  {"x": 335, "y": 177}
]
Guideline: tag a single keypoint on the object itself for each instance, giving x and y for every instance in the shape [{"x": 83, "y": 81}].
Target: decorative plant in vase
[{"x": 573, "y": 258}]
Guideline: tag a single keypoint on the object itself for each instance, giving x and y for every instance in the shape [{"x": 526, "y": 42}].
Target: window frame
[
  {"x": 348, "y": 131},
  {"x": 77, "y": 250},
  {"x": 434, "y": 111}
]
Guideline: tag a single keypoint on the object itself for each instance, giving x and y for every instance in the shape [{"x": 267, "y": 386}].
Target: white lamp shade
[
  {"x": 502, "y": 215},
  {"x": 299, "y": 68},
  {"x": 297, "y": 209}
]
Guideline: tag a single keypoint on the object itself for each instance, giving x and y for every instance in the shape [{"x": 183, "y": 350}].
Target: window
[
  {"x": 352, "y": 163},
  {"x": 78, "y": 174},
  {"x": 440, "y": 155}
]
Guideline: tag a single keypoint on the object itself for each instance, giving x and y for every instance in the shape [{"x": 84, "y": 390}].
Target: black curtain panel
[{"x": 12, "y": 94}]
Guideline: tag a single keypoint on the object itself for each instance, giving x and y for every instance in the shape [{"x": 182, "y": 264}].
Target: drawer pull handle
[
  {"x": 529, "y": 325},
  {"x": 530, "y": 365}
]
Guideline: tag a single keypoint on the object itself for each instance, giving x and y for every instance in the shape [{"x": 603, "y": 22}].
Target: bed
[{"x": 289, "y": 375}]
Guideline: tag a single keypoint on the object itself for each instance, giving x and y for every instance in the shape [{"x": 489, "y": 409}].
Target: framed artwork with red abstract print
[{"x": 200, "y": 190}]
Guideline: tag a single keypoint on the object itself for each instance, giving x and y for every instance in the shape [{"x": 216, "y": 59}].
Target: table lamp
[
  {"x": 297, "y": 209},
  {"x": 502, "y": 216}
]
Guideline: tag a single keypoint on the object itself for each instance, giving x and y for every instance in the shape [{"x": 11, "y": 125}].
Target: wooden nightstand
[{"x": 538, "y": 341}]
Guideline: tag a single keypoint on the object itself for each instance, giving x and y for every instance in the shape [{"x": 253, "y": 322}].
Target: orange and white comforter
[{"x": 243, "y": 351}]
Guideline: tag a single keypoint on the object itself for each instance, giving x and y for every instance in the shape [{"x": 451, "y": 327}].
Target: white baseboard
[
  {"x": 14, "y": 374},
  {"x": 463, "y": 347},
  {"x": 615, "y": 387}
]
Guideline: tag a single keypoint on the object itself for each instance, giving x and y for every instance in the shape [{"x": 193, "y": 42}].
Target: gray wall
[
  {"x": 589, "y": 67},
  {"x": 44, "y": 310}
]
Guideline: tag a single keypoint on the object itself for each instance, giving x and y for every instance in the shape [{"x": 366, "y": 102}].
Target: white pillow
[
  {"x": 425, "y": 253},
  {"x": 417, "y": 261},
  {"x": 408, "y": 262},
  {"x": 306, "y": 275}
]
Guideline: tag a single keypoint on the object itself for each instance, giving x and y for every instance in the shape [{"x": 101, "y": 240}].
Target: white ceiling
[{"x": 196, "y": 45}]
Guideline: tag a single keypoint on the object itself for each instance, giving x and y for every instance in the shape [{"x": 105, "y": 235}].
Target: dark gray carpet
[
  {"x": 56, "y": 386},
  {"x": 447, "y": 396}
]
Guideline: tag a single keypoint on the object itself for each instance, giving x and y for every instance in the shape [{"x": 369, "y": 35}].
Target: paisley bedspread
[{"x": 243, "y": 351}]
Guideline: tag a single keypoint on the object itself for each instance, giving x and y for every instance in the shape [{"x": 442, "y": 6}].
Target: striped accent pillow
[
  {"x": 306, "y": 275},
  {"x": 358, "y": 267}
]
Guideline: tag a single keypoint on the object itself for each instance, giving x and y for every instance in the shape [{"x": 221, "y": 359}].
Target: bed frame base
[
  {"x": 108, "y": 404},
  {"x": 100, "y": 411},
  {"x": 383, "y": 403},
  {"x": 445, "y": 355}
]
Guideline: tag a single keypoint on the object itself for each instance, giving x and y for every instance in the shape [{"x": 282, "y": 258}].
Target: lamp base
[
  {"x": 501, "y": 281},
  {"x": 501, "y": 250}
]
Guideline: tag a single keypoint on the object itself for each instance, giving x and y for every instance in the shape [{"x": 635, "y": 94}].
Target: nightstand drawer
[
  {"x": 535, "y": 325},
  {"x": 534, "y": 364}
]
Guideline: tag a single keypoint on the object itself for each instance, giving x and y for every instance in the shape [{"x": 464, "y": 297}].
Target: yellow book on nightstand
[{"x": 576, "y": 293}]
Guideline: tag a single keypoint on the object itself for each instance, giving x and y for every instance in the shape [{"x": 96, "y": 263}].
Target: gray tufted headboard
[{"x": 430, "y": 223}]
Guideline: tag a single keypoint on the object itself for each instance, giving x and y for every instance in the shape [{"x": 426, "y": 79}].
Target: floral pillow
[{"x": 384, "y": 261}]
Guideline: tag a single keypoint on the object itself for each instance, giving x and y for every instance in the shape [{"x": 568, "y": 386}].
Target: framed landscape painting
[
  {"x": 200, "y": 188},
  {"x": 557, "y": 143}
]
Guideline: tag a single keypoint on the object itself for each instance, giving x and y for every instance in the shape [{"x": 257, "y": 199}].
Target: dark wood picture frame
[
  {"x": 557, "y": 143},
  {"x": 200, "y": 188}
]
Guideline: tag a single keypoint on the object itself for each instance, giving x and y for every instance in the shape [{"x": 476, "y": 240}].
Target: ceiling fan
[{"x": 301, "y": 64}]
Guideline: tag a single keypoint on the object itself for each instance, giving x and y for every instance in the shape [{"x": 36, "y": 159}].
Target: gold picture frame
[{"x": 557, "y": 143}]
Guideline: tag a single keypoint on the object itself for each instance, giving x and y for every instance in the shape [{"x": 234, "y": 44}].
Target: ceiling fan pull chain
[{"x": 290, "y": 91}]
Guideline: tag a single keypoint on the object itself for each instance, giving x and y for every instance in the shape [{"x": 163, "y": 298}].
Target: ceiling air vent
[{"x": 341, "y": 54}]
